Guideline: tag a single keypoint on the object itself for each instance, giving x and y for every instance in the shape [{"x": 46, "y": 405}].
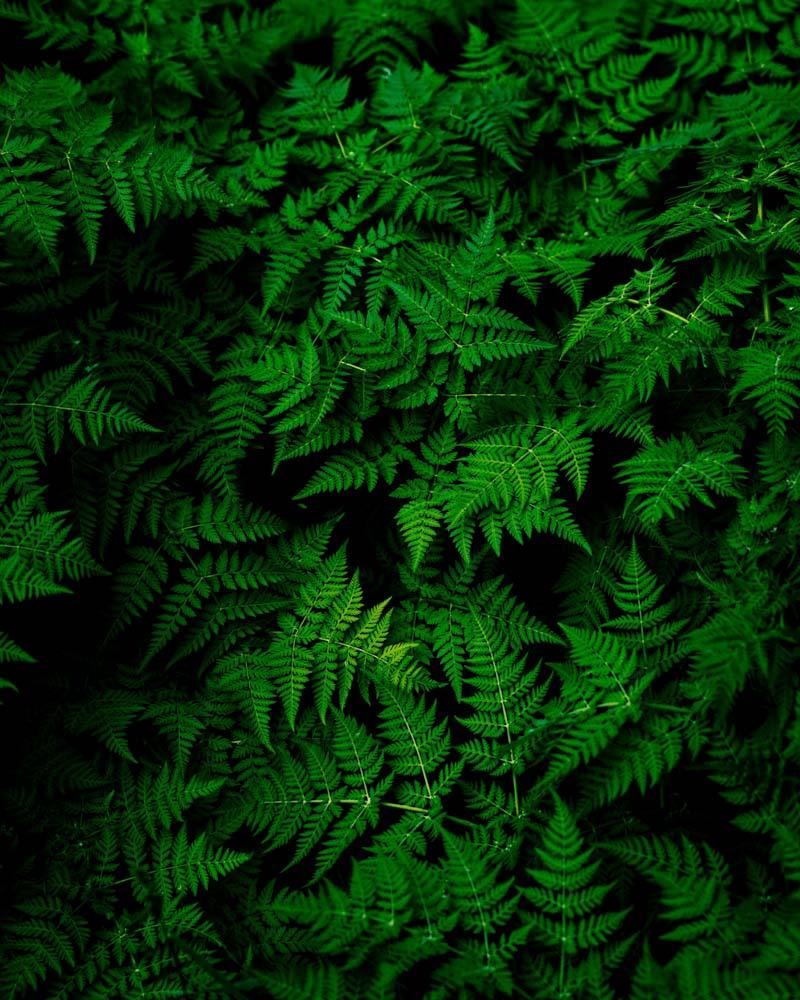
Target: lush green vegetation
[{"x": 399, "y": 482}]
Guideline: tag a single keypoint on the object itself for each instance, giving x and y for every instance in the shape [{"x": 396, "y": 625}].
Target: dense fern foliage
[{"x": 399, "y": 484}]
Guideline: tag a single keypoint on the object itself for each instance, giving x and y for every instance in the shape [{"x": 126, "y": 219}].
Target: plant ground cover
[{"x": 399, "y": 482}]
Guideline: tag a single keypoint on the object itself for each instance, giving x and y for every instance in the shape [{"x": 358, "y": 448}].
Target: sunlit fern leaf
[
  {"x": 663, "y": 478},
  {"x": 228, "y": 572},
  {"x": 569, "y": 915},
  {"x": 770, "y": 377},
  {"x": 694, "y": 881}
]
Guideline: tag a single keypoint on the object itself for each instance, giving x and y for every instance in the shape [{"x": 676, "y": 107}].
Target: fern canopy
[{"x": 399, "y": 499}]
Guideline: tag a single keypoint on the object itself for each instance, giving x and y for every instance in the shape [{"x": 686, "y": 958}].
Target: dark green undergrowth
[{"x": 399, "y": 484}]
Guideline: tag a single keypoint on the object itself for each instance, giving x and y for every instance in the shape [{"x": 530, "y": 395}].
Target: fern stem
[
  {"x": 763, "y": 256},
  {"x": 336, "y": 134},
  {"x": 327, "y": 800},
  {"x": 406, "y": 808},
  {"x": 506, "y": 724},
  {"x": 661, "y": 309},
  {"x": 747, "y": 45},
  {"x": 415, "y": 745}
]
